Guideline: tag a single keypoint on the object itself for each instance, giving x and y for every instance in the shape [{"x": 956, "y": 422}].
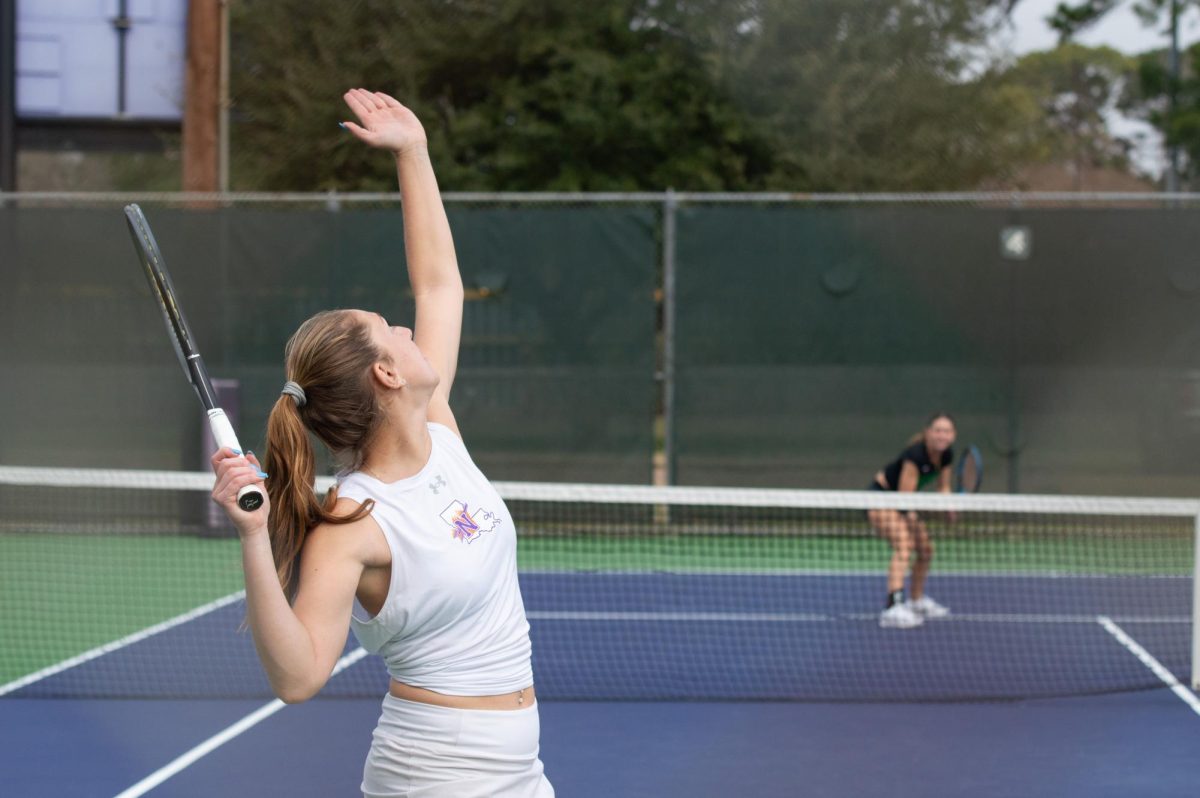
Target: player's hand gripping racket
[
  {"x": 968, "y": 474},
  {"x": 249, "y": 498}
]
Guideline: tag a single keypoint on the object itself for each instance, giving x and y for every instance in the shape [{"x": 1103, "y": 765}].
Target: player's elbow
[
  {"x": 294, "y": 694},
  {"x": 296, "y": 691},
  {"x": 293, "y": 697}
]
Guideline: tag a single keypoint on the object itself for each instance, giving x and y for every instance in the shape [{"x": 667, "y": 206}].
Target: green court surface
[
  {"x": 91, "y": 590},
  {"x": 1157, "y": 555}
]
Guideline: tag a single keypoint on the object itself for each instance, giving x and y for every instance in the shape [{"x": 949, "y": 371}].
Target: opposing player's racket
[
  {"x": 968, "y": 474},
  {"x": 249, "y": 498}
]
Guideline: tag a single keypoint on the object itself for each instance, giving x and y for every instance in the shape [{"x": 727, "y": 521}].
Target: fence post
[
  {"x": 1013, "y": 260},
  {"x": 670, "y": 205}
]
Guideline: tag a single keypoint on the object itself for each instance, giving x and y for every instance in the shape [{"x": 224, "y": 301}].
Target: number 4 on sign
[{"x": 1016, "y": 243}]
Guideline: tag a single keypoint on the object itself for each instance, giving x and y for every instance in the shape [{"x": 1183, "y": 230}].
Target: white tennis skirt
[{"x": 425, "y": 751}]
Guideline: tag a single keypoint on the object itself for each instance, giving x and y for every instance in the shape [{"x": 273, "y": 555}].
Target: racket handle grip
[
  {"x": 249, "y": 498},
  {"x": 222, "y": 430}
]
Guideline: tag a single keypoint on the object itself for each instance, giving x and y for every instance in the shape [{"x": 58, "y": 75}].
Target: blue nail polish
[
  {"x": 237, "y": 451},
  {"x": 342, "y": 125},
  {"x": 262, "y": 474}
]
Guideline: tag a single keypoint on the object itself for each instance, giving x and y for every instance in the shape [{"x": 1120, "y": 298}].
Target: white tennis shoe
[
  {"x": 900, "y": 616},
  {"x": 927, "y": 608}
]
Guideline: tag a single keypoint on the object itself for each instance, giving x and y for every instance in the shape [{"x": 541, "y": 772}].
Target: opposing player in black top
[{"x": 925, "y": 462}]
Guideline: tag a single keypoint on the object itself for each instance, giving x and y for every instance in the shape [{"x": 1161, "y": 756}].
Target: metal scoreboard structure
[{"x": 89, "y": 74}]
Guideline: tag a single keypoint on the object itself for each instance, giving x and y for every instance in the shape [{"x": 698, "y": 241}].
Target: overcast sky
[{"x": 1121, "y": 29}]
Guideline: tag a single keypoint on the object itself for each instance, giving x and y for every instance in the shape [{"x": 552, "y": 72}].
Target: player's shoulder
[
  {"x": 915, "y": 452},
  {"x": 360, "y": 539},
  {"x": 446, "y": 434}
]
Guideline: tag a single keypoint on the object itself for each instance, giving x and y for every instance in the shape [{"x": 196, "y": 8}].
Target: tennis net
[{"x": 127, "y": 584}]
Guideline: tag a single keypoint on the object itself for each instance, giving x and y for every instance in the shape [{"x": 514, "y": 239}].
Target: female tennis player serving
[
  {"x": 414, "y": 531},
  {"x": 925, "y": 461}
]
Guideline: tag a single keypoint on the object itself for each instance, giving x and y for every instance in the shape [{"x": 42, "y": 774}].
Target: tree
[
  {"x": 1077, "y": 89},
  {"x": 1070, "y": 19},
  {"x": 866, "y": 95},
  {"x": 634, "y": 94},
  {"x": 514, "y": 94},
  {"x": 1150, "y": 98}
]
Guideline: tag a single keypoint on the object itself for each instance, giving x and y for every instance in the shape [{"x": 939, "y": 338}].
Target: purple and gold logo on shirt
[{"x": 469, "y": 525}]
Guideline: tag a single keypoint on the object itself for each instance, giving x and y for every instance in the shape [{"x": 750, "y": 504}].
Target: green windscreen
[
  {"x": 813, "y": 342},
  {"x": 556, "y": 371}
]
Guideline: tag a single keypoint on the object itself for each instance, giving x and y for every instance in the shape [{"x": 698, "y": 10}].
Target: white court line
[
  {"x": 1035, "y": 618},
  {"x": 1150, "y": 662},
  {"x": 812, "y": 617},
  {"x": 217, "y": 740},
  {"x": 874, "y": 573},
  {"x": 739, "y": 617},
  {"x": 116, "y": 645}
]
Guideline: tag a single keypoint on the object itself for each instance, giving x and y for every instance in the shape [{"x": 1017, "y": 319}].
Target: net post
[{"x": 1196, "y": 607}]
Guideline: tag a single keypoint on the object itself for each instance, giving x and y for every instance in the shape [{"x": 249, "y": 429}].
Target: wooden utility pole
[
  {"x": 201, "y": 107},
  {"x": 8, "y": 95}
]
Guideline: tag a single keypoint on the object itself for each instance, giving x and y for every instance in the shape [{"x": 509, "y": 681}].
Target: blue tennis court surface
[
  {"x": 737, "y": 636},
  {"x": 671, "y": 640}
]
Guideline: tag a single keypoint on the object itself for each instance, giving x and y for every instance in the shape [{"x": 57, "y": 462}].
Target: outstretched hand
[{"x": 383, "y": 122}]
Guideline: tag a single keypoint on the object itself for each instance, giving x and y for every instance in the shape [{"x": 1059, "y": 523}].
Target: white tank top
[{"x": 453, "y": 620}]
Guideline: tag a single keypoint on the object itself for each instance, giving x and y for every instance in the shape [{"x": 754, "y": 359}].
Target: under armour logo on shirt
[{"x": 437, "y": 483}]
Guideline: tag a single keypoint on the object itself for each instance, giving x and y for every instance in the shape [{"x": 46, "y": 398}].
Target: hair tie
[{"x": 294, "y": 390}]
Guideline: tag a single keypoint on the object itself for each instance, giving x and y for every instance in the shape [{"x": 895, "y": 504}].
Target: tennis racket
[
  {"x": 249, "y": 498},
  {"x": 968, "y": 474}
]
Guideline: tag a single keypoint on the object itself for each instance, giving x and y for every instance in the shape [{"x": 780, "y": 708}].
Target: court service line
[
  {"x": 837, "y": 573},
  {"x": 116, "y": 645},
  {"x": 1168, "y": 678},
  {"x": 220, "y": 738},
  {"x": 664, "y": 616}
]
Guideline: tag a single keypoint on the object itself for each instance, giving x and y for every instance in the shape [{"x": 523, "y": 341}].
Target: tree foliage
[
  {"x": 514, "y": 95},
  {"x": 867, "y": 95},
  {"x": 795, "y": 95},
  {"x": 1077, "y": 89},
  {"x": 1150, "y": 100},
  {"x": 1170, "y": 103}
]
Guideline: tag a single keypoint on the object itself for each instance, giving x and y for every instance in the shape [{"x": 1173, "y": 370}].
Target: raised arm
[{"x": 432, "y": 264}]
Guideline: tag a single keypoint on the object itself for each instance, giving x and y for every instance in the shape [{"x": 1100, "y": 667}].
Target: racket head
[
  {"x": 160, "y": 285},
  {"x": 968, "y": 474}
]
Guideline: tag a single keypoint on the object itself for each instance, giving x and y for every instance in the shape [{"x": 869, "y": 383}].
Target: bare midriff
[{"x": 518, "y": 699}]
